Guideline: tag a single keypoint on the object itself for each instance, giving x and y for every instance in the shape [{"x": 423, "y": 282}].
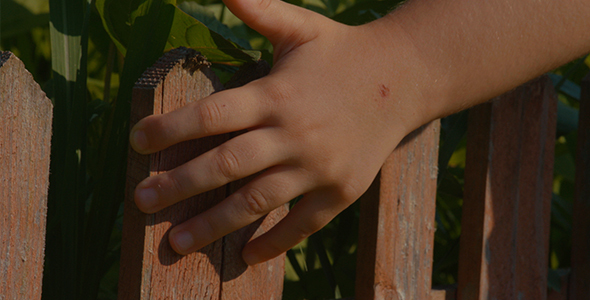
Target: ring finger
[{"x": 266, "y": 192}]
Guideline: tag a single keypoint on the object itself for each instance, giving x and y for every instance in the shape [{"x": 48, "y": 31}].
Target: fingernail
[
  {"x": 139, "y": 141},
  {"x": 147, "y": 198},
  {"x": 184, "y": 241},
  {"x": 251, "y": 258}
]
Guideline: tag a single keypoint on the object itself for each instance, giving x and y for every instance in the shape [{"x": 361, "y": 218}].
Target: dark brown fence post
[
  {"x": 150, "y": 269},
  {"x": 506, "y": 213},
  {"x": 25, "y": 137},
  {"x": 580, "y": 276},
  {"x": 394, "y": 259}
]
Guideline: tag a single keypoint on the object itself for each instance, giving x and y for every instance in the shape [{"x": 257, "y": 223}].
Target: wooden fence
[
  {"x": 506, "y": 211},
  {"x": 25, "y": 137}
]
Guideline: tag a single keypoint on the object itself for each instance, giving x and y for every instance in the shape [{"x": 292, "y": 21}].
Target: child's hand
[{"x": 335, "y": 105}]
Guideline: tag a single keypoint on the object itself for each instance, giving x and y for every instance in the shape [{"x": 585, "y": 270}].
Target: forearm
[{"x": 475, "y": 50}]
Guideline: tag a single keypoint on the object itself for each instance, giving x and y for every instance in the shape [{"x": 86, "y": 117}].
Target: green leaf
[
  {"x": 16, "y": 19},
  {"x": 331, "y": 6},
  {"x": 567, "y": 119},
  {"x": 118, "y": 17},
  {"x": 96, "y": 108},
  {"x": 318, "y": 245},
  {"x": 186, "y": 31},
  {"x": 364, "y": 12},
  {"x": 565, "y": 166},
  {"x": 454, "y": 128},
  {"x": 566, "y": 86},
  {"x": 115, "y": 17},
  {"x": 207, "y": 17},
  {"x": 561, "y": 213},
  {"x": 295, "y": 2},
  {"x": 69, "y": 40},
  {"x": 147, "y": 33},
  {"x": 315, "y": 8}
]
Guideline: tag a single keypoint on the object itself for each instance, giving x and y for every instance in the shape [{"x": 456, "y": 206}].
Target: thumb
[{"x": 275, "y": 19}]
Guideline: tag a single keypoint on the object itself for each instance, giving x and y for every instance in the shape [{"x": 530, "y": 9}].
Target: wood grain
[
  {"x": 394, "y": 259},
  {"x": 25, "y": 137},
  {"x": 506, "y": 213},
  {"x": 150, "y": 269},
  {"x": 580, "y": 277}
]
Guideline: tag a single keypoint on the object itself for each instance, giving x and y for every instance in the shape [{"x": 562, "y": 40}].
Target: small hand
[{"x": 321, "y": 124}]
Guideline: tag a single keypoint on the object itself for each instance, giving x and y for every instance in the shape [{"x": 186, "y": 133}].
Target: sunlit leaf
[
  {"x": 454, "y": 128},
  {"x": 186, "y": 31},
  {"x": 207, "y": 17},
  {"x": 120, "y": 15}
]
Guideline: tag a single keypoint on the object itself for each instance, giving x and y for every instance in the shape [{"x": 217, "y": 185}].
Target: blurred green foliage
[{"x": 87, "y": 55}]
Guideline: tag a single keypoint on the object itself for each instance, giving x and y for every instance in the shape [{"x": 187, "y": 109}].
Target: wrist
[{"x": 423, "y": 89}]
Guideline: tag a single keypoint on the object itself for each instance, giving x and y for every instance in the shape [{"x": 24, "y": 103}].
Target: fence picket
[
  {"x": 394, "y": 259},
  {"x": 506, "y": 211},
  {"x": 25, "y": 137}
]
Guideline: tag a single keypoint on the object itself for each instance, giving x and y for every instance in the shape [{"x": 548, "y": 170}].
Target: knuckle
[
  {"x": 351, "y": 190},
  {"x": 303, "y": 230},
  {"x": 255, "y": 202},
  {"x": 273, "y": 248},
  {"x": 330, "y": 173},
  {"x": 279, "y": 91},
  {"x": 207, "y": 228},
  {"x": 172, "y": 184},
  {"x": 263, "y": 5},
  {"x": 227, "y": 163},
  {"x": 210, "y": 117}
]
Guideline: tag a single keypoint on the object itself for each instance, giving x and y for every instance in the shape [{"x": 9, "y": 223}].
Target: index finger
[{"x": 222, "y": 112}]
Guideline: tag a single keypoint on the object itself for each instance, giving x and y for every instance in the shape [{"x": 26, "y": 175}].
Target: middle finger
[{"x": 237, "y": 158}]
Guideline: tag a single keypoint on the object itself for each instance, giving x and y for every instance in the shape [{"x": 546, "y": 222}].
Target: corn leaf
[
  {"x": 146, "y": 37},
  {"x": 67, "y": 180}
]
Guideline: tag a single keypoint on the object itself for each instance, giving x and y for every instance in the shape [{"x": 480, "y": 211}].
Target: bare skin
[{"x": 338, "y": 101}]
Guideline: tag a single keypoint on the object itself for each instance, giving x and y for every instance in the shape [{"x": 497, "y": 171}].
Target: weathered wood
[
  {"x": 25, "y": 137},
  {"x": 509, "y": 170},
  {"x": 396, "y": 245},
  {"x": 152, "y": 270},
  {"x": 580, "y": 277}
]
